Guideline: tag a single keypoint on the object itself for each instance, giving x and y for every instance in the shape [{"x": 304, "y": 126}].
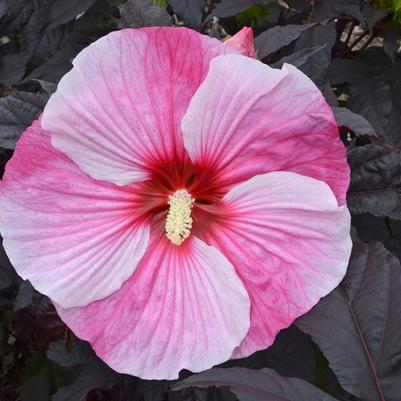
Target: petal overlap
[
  {"x": 289, "y": 242},
  {"x": 247, "y": 118},
  {"x": 119, "y": 110},
  {"x": 76, "y": 239},
  {"x": 184, "y": 308}
]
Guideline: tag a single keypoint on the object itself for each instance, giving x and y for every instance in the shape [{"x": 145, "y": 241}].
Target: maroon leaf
[{"x": 358, "y": 325}]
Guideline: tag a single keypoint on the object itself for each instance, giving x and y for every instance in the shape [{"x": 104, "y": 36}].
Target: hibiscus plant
[{"x": 200, "y": 200}]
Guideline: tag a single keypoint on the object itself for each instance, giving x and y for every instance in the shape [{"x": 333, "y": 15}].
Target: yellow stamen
[{"x": 179, "y": 220}]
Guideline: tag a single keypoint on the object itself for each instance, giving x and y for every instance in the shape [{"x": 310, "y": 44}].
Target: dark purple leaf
[
  {"x": 322, "y": 35},
  {"x": 371, "y": 98},
  {"x": 44, "y": 320},
  {"x": 55, "y": 67},
  {"x": 201, "y": 394},
  {"x": 301, "y": 59},
  {"x": 343, "y": 71},
  {"x": 48, "y": 87},
  {"x": 327, "y": 92},
  {"x": 390, "y": 43},
  {"x": 17, "y": 111},
  {"x": 277, "y": 37},
  {"x": 12, "y": 68},
  {"x": 355, "y": 122},
  {"x": 375, "y": 181},
  {"x": 77, "y": 354},
  {"x": 379, "y": 229},
  {"x": 229, "y": 8},
  {"x": 394, "y": 129},
  {"x": 373, "y": 15},
  {"x": 8, "y": 276},
  {"x": 17, "y": 12},
  {"x": 191, "y": 11},
  {"x": 358, "y": 325},
  {"x": 92, "y": 372},
  {"x": 24, "y": 295},
  {"x": 334, "y": 8},
  {"x": 63, "y": 11},
  {"x": 140, "y": 13},
  {"x": 291, "y": 355},
  {"x": 3, "y": 9},
  {"x": 256, "y": 385}
]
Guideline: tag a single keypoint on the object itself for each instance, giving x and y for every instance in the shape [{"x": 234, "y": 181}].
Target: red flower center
[{"x": 200, "y": 182}]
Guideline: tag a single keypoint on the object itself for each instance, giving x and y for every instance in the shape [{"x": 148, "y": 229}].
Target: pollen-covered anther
[{"x": 179, "y": 220}]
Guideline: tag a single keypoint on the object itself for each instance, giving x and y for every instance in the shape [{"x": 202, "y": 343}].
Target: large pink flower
[{"x": 179, "y": 202}]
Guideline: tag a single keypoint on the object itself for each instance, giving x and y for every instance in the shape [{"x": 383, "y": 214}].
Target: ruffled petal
[
  {"x": 242, "y": 41},
  {"x": 184, "y": 308},
  {"x": 247, "y": 118},
  {"x": 76, "y": 239},
  {"x": 290, "y": 244},
  {"x": 118, "y": 111}
]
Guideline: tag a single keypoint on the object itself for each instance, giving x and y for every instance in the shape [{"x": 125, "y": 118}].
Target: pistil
[{"x": 179, "y": 221}]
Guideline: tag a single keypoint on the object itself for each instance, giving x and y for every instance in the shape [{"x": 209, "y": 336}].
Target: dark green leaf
[
  {"x": 140, "y": 13},
  {"x": 37, "y": 386},
  {"x": 358, "y": 325},
  {"x": 17, "y": 111}
]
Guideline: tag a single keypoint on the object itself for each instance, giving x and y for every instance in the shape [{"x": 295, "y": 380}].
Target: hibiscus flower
[{"x": 179, "y": 202}]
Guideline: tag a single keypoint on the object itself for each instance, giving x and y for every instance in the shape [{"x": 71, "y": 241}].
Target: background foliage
[{"x": 348, "y": 347}]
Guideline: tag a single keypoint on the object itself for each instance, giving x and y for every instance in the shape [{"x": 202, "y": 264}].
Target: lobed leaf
[
  {"x": 375, "y": 181},
  {"x": 355, "y": 122},
  {"x": 140, "y": 13},
  {"x": 357, "y": 326},
  {"x": 256, "y": 385},
  {"x": 17, "y": 112},
  {"x": 279, "y": 36}
]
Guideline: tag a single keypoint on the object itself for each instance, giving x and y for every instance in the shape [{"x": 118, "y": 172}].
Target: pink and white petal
[
  {"x": 184, "y": 308},
  {"x": 118, "y": 111},
  {"x": 247, "y": 119},
  {"x": 242, "y": 41},
  {"x": 290, "y": 244},
  {"x": 76, "y": 239}
]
